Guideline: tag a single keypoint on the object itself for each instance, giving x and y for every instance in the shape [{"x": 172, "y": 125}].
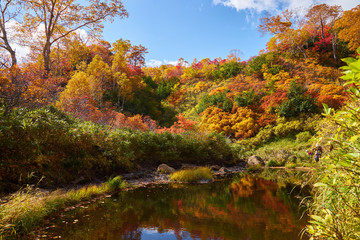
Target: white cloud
[
  {"x": 154, "y": 63},
  {"x": 158, "y": 63},
  {"x": 276, "y": 5},
  {"x": 171, "y": 62}
]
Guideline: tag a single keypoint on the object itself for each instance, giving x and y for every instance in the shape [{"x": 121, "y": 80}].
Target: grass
[
  {"x": 192, "y": 175},
  {"x": 26, "y": 209}
]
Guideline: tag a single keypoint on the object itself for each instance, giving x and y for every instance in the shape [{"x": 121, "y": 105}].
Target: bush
[
  {"x": 192, "y": 175},
  {"x": 115, "y": 183},
  {"x": 273, "y": 163},
  {"x": 45, "y": 142},
  {"x": 303, "y": 137}
]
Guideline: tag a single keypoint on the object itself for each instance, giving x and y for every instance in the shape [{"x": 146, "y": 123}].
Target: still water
[{"x": 246, "y": 208}]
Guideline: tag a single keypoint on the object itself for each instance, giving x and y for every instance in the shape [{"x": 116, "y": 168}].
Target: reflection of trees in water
[
  {"x": 246, "y": 208},
  {"x": 132, "y": 235}
]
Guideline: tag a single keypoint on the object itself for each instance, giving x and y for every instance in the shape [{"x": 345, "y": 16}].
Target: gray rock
[
  {"x": 255, "y": 160},
  {"x": 164, "y": 168}
]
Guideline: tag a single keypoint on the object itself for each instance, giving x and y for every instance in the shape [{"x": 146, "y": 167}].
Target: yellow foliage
[{"x": 240, "y": 124}]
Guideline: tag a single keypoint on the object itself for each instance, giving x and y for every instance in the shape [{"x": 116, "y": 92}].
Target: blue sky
[{"x": 172, "y": 29}]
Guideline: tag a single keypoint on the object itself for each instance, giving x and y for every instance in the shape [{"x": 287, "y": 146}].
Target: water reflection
[{"x": 245, "y": 208}]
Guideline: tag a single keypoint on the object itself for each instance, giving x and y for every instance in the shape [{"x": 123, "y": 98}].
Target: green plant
[
  {"x": 273, "y": 163},
  {"x": 254, "y": 169},
  {"x": 335, "y": 210},
  {"x": 192, "y": 175},
  {"x": 303, "y": 137}
]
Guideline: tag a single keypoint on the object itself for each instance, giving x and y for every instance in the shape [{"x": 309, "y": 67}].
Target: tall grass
[
  {"x": 26, "y": 209},
  {"x": 192, "y": 175}
]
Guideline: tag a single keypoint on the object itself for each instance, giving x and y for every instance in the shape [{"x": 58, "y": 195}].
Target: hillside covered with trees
[{"x": 94, "y": 109}]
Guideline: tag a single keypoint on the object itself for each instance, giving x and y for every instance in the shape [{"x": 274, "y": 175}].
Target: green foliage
[
  {"x": 275, "y": 69},
  {"x": 255, "y": 169},
  {"x": 228, "y": 70},
  {"x": 192, "y": 175},
  {"x": 246, "y": 98},
  {"x": 297, "y": 102},
  {"x": 273, "y": 163},
  {"x": 303, "y": 137},
  {"x": 165, "y": 87},
  {"x": 256, "y": 64},
  {"x": 45, "y": 142},
  {"x": 115, "y": 183},
  {"x": 335, "y": 210},
  {"x": 218, "y": 100}
]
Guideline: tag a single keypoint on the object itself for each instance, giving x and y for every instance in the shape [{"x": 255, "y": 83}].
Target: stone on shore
[
  {"x": 164, "y": 168},
  {"x": 255, "y": 160}
]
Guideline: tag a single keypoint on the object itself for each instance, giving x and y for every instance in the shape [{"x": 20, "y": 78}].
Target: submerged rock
[{"x": 164, "y": 168}]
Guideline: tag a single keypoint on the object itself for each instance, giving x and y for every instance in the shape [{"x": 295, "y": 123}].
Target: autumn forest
[{"x": 93, "y": 109}]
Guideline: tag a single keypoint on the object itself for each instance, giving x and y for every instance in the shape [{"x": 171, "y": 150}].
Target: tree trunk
[
  {"x": 334, "y": 46},
  {"x": 7, "y": 46},
  {"x": 46, "y": 56}
]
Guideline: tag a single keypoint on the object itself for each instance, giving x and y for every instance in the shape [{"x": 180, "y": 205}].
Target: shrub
[
  {"x": 254, "y": 169},
  {"x": 290, "y": 165},
  {"x": 115, "y": 183},
  {"x": 192, "y": 175},
  {"x": 303, "y": 137},
  {"x": 273, "y": 163}
]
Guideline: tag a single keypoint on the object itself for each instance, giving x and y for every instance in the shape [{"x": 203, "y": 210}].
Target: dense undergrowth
[{"x": 49, "y": 145}]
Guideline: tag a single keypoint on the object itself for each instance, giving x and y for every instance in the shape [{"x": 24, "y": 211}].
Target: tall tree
[
  {"x": 60, "y": 18},
  {"x": 287, "y": 31},
  {"x": 323, "y": 15},
  {"x": 349, "y": 27},
  {"x": 9, "y": 10}
]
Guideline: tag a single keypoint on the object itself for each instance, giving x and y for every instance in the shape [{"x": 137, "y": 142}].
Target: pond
[{"x": 246, "y": 208}]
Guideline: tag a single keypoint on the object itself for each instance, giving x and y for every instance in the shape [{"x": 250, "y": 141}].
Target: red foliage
[
  {"x": 273, "y": 100},
  {"x": 266, "y": 119},
  {"x": 180, "y": 126},
  {"x": 135, "y": 70}
]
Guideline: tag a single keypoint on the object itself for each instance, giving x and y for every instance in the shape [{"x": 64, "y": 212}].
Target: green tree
[{"x": 297, "y": 102}]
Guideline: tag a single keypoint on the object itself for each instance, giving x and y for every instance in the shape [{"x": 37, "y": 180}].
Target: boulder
[
  {"x": 164, "y": 168},
  {"x": 255, "y": 160}
]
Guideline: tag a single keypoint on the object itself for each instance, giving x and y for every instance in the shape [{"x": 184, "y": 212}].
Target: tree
[
  {"x": 349, "y": 27},
  {"x": 9, "y": 9},
  {"x": 323, "y": 15},
  {"x": 134, "y": 55},
  {"x": 297, "y": 102},
  {"x": 60, "y": 18},
  {"x": 287, "y": 32}
]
